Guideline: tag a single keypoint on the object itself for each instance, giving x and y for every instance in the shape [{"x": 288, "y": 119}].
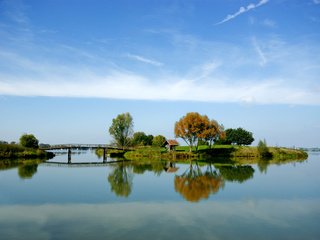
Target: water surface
[{"x": 159, "y": 200}]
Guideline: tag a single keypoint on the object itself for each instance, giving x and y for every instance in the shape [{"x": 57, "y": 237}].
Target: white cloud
[
  {"x": 242, "y": 10},
  {"x": 262, "y": 57},
  {"x": 121, "y": 85},
  {"x": 144, "y": 60},
  {"x": 316, "y": 1}
]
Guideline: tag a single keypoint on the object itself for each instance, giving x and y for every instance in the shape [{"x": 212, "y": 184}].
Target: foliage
[
  {"x": 13, "y": 151},
  {"x": 238, "y": 136},
  {"x": 195, "y": 184},
  {"x": 122, "y": 129},
  {"x": 29, "y": 141},
  {"x": 141, "y": 139},
  {"x": 158, "y": 141},
  {"x": 121, "y": 180},
  {"x": 212, "y": 132},
  {"x": 236, "y": 173},
  {"x": 264, "y": 150},
  {"x": 194, "y": 127},
  {"x": 27, "y": 171}
]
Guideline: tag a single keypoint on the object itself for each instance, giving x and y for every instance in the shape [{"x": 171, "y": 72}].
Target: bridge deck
[{"x": 80, "y": 146}]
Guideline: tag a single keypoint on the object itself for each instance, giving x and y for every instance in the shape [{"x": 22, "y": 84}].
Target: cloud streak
[
  {"x": 144, "y": 60},
  {"x": 242, "y": 10}
]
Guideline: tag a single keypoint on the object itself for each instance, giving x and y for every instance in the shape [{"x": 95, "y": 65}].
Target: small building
[{"x": 171, "y": 144}]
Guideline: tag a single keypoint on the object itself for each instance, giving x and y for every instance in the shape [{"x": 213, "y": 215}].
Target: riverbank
[
  {"x": 227, "y": 152},
  {"x": 15, "y": 151}
]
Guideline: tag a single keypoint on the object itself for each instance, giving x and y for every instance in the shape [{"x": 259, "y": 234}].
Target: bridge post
[
  {"x": 69, "y": 155},
  {"x": 104, "y": 155}
]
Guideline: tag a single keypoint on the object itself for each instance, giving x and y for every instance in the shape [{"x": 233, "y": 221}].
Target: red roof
[{"x": 172, "y": 142}]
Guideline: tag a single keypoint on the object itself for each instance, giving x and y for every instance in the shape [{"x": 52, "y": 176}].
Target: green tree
[
  {"x": 29, "y": 141},
  {"x": 264, "y": 150},
  {"x": 141, "y": 139},
  {"x": 158, "y": 141},
  {"x": 122, "y": 129},
  {"x": 238, "y": 136}
]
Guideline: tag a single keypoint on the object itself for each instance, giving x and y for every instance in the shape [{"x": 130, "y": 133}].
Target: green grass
[{"x": 224, "y": 153}]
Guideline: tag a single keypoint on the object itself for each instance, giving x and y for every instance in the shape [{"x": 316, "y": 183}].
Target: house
[{"x": 171, "y": 144}]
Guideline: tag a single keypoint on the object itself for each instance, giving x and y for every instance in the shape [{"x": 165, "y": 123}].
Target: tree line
[{"x": 195, "y": 129}]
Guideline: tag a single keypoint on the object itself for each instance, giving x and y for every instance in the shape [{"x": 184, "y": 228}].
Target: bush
[{"x": 264, "y": 150}]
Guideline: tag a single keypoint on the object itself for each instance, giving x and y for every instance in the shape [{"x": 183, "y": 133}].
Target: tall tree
[
  {"x": 190, "y": 127},
  {"x": 29, "y": 141},
  {"x": 194, "y": 127},
  {"x": 122, "y": 129},
  {"x": 212, "y": 132}
]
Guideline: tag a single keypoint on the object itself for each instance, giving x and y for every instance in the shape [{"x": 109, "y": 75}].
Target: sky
[{"x": 67, "y": 68}]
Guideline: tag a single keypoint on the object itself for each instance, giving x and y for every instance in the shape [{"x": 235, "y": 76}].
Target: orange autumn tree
[
  {"x": 212, "y": 132},
  {"x": 194, "y": 126}
]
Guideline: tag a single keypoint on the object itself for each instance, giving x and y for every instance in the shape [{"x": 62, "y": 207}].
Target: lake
[{"x": 159, "y": 200}]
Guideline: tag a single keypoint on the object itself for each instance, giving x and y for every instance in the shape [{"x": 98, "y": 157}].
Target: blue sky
[{"x": 68, "y": 67}]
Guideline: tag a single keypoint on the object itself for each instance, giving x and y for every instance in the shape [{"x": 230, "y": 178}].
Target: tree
[
  {"x": 238, "y": 136},
  {"x": 158, "y": 141},
  {"x": 194, "y": 128},
  {"x": 212, "y": 132},
  {"x": 29, "y": 141},
  {"x": 264, "y": 150},
  {"x": 122, "y": 129},
  {"x": 190, "y": 127},
  {"x": 140, "y": 138}
]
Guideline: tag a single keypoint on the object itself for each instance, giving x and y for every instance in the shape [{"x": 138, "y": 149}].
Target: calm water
[{"x": 160, "y": 200}]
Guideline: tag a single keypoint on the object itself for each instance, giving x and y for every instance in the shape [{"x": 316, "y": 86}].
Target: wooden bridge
[{"x": 69, "y": 147}]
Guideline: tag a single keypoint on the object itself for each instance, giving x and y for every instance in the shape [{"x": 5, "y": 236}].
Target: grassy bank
[
  {"x": 15, "y": 151},
  {"x": 227, "y": 152}
]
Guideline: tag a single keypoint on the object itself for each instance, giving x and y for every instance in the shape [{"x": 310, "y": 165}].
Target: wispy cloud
[
  {"x": 257, "y": 48},
  {"x": 269, "y": 23},
  {"x": 242, "y": 10},
  {"x": 316, "y": 1},
  {"x": 144, "y": 60}
]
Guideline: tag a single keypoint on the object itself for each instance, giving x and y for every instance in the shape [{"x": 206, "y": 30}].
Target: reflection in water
[
  {"x": 120, "y": 179},
  {"x": 194, "y": 184},
  {"x": 26, "y": 168},
  {"x": 236, "y": 173},
  {"x": 27, "y": 171}
]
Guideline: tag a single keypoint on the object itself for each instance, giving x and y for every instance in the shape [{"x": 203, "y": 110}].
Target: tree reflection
[
  {"x": 157, "y": 167},
  {"x": 236, "y": 173},
  {"x": 120, "y": 180},
  {"x": 194, "y": 184},
  {"x": 27, "y": 171}
]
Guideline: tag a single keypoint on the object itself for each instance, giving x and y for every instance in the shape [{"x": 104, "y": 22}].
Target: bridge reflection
[{"x": 70, "y": 147}]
